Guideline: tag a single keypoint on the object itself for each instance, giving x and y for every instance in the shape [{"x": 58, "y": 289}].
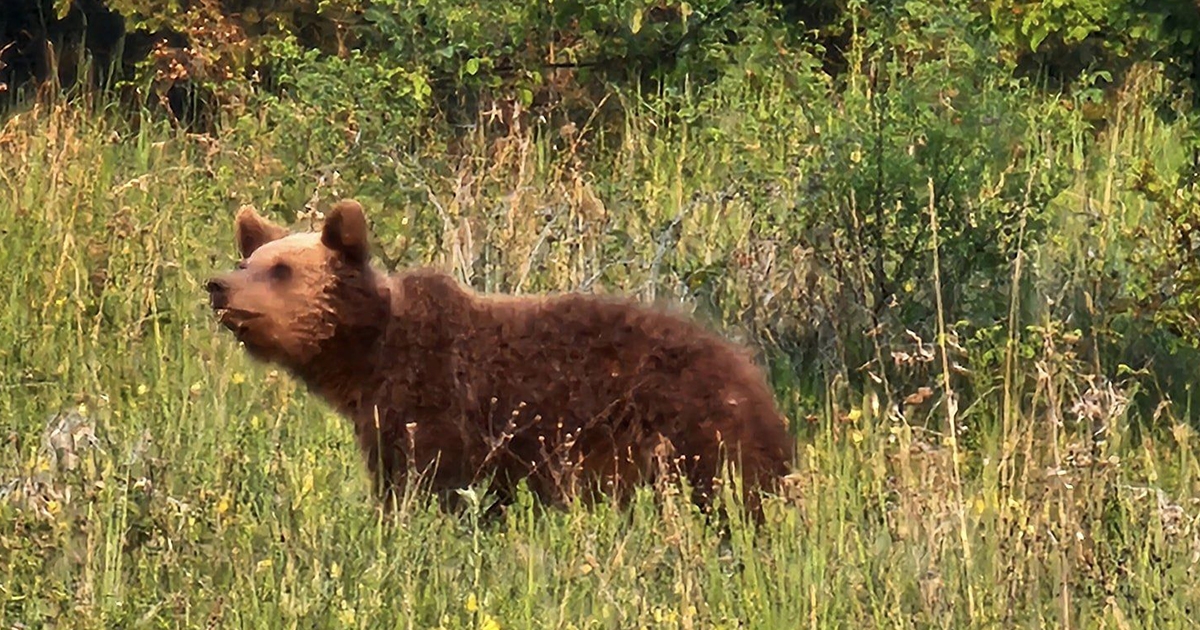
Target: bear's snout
[{"x": 218, "y": 293}]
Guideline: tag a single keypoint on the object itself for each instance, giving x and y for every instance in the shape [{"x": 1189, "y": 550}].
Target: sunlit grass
[{"x": 154, "y": 477}]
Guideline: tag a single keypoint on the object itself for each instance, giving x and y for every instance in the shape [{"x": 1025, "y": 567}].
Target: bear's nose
[{"x": 216, "y": 293}]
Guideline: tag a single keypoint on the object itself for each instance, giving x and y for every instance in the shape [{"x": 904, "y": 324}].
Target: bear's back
[{"x": 597, "y": 383}]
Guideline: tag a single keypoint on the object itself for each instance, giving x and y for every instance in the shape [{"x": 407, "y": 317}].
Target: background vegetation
[{"x": 962, "y": 236}]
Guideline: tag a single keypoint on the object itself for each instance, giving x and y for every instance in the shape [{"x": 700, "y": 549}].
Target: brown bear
[{"x": 572, "y": 393}]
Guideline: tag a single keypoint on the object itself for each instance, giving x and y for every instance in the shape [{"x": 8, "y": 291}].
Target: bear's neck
[
  {"x": 345, "y": 363},
  {"x": 345, "y": 368},
  {"x": 398, "y": 348}
]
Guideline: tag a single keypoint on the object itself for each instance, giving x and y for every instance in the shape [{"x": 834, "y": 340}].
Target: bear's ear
[
  {"x": 253, "y": 231},
  {"x": 346, "y": 231}
]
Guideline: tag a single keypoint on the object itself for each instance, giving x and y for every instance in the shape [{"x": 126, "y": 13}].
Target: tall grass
[{"x": 154, "y": 477}]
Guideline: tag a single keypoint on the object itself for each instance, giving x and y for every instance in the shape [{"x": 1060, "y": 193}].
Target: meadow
[{"x": 991, "y": 439}]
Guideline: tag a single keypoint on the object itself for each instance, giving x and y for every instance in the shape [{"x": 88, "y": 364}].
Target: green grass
[{"x": 202, "y": 490}]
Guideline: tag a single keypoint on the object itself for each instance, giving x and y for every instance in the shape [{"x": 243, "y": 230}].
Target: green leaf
[
  {"x": 1078, "y": 33},
  {"x": 472, "y": 66},
  {"x": 1038, "y": 36},
  {"x": 62, "y": 8},
  {"x": 636, "y": 24}
]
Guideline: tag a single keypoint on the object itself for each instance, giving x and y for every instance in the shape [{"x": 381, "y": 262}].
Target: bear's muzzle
[{"x": 218, "y": 294}]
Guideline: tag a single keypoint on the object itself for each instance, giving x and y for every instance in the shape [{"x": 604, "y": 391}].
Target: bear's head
[{"x": 293, "y": 295}]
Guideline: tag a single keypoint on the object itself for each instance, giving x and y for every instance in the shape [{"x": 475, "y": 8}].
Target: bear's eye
[{"x": 281, "y": 271}]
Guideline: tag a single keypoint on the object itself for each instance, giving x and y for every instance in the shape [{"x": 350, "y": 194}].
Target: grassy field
[{"x": 152, "y": 476}]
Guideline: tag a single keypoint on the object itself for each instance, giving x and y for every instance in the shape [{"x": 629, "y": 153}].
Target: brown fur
[{"x": 564, "y": 391}]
